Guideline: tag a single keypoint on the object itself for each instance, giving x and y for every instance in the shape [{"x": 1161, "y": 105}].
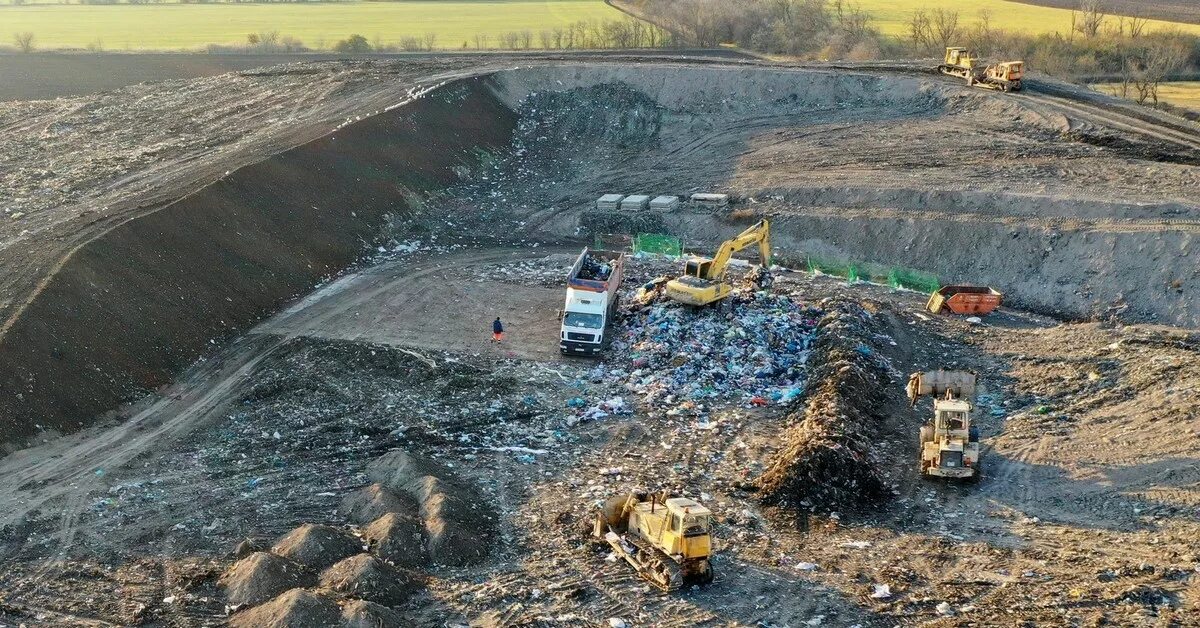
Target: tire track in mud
[{"x": 71, "y": 468}]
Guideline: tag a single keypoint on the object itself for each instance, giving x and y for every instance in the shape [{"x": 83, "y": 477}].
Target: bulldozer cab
[
  {"x": 960, "y": 57},
  {"x": 1010, "y": 71}
]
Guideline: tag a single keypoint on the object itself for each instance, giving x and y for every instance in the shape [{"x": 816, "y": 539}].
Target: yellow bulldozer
[
  {"x": 666, "y": 539},
  {"x": 1005, "y": 76},
  {"x": 703, "y": 280},
  {"x": 950, "y": 442}
]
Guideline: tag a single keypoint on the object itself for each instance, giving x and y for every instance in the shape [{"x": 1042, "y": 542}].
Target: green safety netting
[
  {"x": 892, "y": 276},
  {"x": 913, "y": 280},
  {"x": 658, "y": 244},
  {"x": 612, "y": 242}
]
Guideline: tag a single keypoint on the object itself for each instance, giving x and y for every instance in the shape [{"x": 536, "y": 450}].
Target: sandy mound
[
  {"x": 458, "y": 524},
  {"x": 364, "y": 614},
  {"x": 297, "y": 608},
  {"x": 828, "y": 462},
  {"x": 317, "y": 546},
  {"x": 369, "y": 578},
  {"x": 398, "y": 538},
  {"x": 261, "y": 576},
  {"x": 372, "y": 502}
]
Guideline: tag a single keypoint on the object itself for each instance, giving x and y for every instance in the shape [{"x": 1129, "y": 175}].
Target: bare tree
[
  {"x": 920, "y": 30},
  {"x": 546, "y": 38},
  {"x": 430, "y": 40},
  {"x": 526, "y": 39},
  {"x": 1132, "y": 26},
  {"x": 944, "y": 24},
  {"x": 481, "y": 41},
  {"x": 1154, "y": 62},
  {"x": 24, "y": 41},
  {"x": 1091, "y": 18},
  {"x": 411, "y": 44}
]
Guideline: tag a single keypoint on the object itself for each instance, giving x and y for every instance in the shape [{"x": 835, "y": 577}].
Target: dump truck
[
  {"x": 950, "y": 441},
  {"x": 1005, "y": 76},
  {"x": 591, "y": 301},
  {"x": 973, "y": 300},
  {"x": 666, "y": 539},
  {"x": 703, "y": 280}
]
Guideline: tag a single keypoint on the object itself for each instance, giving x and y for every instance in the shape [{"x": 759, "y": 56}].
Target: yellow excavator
[
  {"x": 1006, "y": 76},
  {"x": 703, "y": 280},
  {"x": 666, "y": 539}
]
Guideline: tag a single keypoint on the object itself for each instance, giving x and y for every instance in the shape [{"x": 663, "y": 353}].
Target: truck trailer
[{"x": 591, "y": 301}]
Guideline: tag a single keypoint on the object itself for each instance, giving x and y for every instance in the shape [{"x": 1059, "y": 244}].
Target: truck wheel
[{"x": 973, "y": 434}]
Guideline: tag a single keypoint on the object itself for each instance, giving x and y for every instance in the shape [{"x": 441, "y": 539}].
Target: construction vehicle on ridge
[
  {"x": 667, "y": 540},
  {"x": 950, "y": 442},
  {"x": 703, "y": 280},
  {"x": 1005, "y": 76}
]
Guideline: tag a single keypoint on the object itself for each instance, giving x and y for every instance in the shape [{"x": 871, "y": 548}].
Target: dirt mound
[
  {"x": 262, "y": 576},
  {"x": 369, "y": 578},
  {"x": 458, "y": 526},
  {"x": 317, "y": 546},
  {"x": 297, "y": 608},
  {"x": 398, "y": 538},
  {"x": 829, "y": 462},
  {"x": 364, "y": 614},
  {"x": 372, "y": 502}
]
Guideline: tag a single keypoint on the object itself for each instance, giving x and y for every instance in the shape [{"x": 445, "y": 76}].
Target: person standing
[{"x": 497, "y": 330}]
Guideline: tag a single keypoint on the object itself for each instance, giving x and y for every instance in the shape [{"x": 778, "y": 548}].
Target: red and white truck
[{"x": 591, "y": 301}]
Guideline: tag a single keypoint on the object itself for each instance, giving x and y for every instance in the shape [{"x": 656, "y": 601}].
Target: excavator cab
[{"x": 697, "y": 267}]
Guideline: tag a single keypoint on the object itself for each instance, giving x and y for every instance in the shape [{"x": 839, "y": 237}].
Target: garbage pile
[
  {"x": 828, "y": 462},
  {"x": 595, "y": 270},
  {"x": 753, "y": 349}
]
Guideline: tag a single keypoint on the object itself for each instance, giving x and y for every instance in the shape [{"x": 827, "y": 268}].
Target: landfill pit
[{"x": 368, "y": 457}]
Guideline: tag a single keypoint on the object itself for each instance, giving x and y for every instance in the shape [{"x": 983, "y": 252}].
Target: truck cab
[{"x": 584, "y": 322}]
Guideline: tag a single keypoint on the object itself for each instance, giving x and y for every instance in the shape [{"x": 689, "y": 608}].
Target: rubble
[
  {"x": 458, "y": 526},
  {"x": 297, "y": 608},
  {"x": 367, "y": 577},
  {"x": 317, "y": 546},
  {"x": 261, "y": 576},
  {"x": 367, "y": 614},
  {"x": 372, "y": 502},
  {"x": 830, "y": 461},
  {"x": 678, "y": 358}
]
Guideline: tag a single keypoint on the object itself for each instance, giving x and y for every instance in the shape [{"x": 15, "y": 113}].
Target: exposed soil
[{"x": 423, "y": 474}]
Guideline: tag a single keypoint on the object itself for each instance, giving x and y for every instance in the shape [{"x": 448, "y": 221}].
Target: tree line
[{"x": 1096, "y": 44}]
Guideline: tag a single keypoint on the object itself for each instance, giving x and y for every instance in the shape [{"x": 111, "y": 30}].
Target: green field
[
  {"x": 192, "y": 26},
  {"x": 1181, "y": 94},
  {"x": 892, "y": 16}
]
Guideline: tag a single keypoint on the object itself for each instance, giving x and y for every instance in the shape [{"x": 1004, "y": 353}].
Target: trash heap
[
  {"x": 828, "y": 462},
  {"x": 752, "y": 349},
  {"x": 594, "y": 270}
]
